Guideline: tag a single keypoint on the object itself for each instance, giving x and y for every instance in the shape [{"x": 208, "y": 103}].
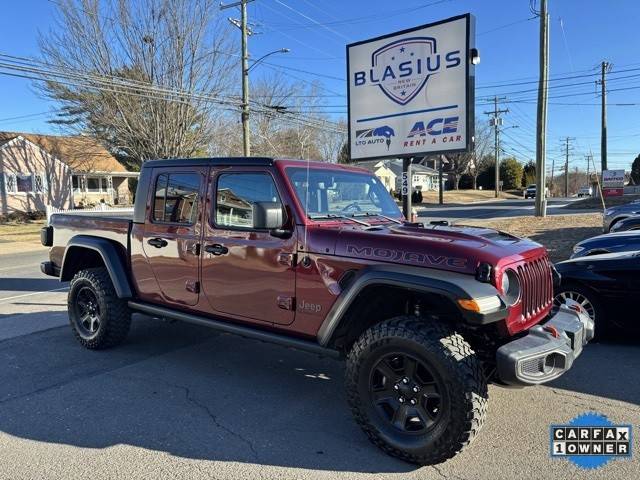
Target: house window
[
  {"x": 93, "y": 184},
  {"x": 39, "y": 183},
  {"x": 10, "y": 182},
  {"x": 25, "y": 183}
]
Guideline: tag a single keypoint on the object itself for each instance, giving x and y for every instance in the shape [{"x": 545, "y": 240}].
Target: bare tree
[
  {"x": 154, "y": 72},
  {"x": 481, "y": 149},
  {"x": 459, "y": 165}
]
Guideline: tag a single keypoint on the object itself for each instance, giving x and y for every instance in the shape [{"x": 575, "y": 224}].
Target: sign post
[
  {"x": 612, "y": 183},
  {"x": 411, "y": 93}
]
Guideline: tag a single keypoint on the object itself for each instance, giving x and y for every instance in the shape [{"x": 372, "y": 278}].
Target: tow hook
[{"x": 552, "y": 330}]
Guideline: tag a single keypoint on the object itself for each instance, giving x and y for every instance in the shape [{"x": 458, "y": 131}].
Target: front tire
[
  {"x": 588, "y": 301},
  {"x": 417, "y": 389},
  {"x": 99, "y": 318}
]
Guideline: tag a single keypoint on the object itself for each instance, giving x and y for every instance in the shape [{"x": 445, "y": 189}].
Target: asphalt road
[
  {"x": 180, "y": 401},
  {"x": 494, "y": 209}
]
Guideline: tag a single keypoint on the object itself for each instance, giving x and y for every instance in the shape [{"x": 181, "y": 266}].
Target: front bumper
[{"x": 547, "y": 351}]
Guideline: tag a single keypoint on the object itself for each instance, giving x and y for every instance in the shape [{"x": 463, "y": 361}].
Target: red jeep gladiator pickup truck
[{"x": 317, "y": 256}]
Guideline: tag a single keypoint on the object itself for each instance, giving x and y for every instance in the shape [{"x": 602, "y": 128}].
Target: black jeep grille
[{"x": 537, "y": 286}]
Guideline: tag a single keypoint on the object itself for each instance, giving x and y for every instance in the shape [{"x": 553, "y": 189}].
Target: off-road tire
[
  {"x": 115, "y": 316},
  {"x": 460, "y": 371}
]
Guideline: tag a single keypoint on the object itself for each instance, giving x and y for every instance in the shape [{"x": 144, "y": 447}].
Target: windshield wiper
[
  {"x": 372, "y": 214},
  {"x": 333, "y": 215}
]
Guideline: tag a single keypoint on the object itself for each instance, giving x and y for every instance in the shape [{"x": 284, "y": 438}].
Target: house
[
  {"x": 61, "y": 171},
  {"x": 390, "y": 173}
]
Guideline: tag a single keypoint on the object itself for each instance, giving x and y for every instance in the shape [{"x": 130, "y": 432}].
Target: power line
[{"x": 329, "y": 29}]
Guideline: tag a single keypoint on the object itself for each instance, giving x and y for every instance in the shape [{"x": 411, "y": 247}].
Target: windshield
[{"x": 341, "y": 193}]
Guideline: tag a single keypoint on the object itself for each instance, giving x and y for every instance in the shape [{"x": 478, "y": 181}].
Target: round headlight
[{"x": 510, "y": 287}]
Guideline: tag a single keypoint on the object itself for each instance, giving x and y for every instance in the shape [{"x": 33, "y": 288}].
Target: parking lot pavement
[{"x": 181, "y": 401}]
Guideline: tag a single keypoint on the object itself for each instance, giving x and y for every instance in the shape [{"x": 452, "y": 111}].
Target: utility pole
[
  {"x": 606, "y": 66},
  {"x": 541, "y": 123},
  {"x": 495, "y": 122},
  {"x": 588, "y": 165},
  {"x": 566, "y": 166},
  {"x": 553, "y": 169},
  {"x": 246, "y": 141}
]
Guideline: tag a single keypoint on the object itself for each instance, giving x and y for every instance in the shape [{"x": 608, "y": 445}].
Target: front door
[
  {"x": 172, "y": 233},
  {"x": 246, "y": 272}
]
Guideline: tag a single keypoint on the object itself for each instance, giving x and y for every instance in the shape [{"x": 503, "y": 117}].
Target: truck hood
[{"x": 453, "y": 248}]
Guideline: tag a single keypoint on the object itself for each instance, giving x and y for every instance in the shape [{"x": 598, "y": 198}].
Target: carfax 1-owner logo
[{"x": 590, "y": 440}]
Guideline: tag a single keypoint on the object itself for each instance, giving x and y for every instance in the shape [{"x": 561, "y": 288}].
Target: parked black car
[
  {"x": 613, "y": 215},
  {"x": 626, "y": 224},
  {"x": 607, "y": 286},
  {"x": 608, "y": 243}
]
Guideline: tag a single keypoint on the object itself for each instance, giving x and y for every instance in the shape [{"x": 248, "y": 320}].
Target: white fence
[{"x": 101, "y": 207}]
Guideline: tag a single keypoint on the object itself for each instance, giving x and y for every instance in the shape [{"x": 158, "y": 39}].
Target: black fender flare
[
  {"x": 110, "y": 257},
  {"x": 451, "y": 285}
]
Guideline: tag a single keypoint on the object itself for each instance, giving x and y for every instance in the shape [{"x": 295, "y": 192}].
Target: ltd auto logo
[
  {"x": 590, "y": 441},
  {"x": 442, "y": 127},
  {"x": 402, "y": 68},
  {"x": 372, "y": 136}
]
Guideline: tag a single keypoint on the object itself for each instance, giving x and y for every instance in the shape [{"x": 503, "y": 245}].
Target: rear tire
[
  {"x": 99, "y": 318},
  {"x": 445, "y": 380}
]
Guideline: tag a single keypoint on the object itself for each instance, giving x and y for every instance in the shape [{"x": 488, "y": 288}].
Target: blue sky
[{"x": 583, "y": 33}]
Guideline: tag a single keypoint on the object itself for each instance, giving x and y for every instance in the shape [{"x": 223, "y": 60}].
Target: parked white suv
[{"x": 585, "y": 191}]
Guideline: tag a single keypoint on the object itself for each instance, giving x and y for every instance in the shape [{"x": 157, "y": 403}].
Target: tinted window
[
  {"x": 176, "y": 198},
  {"x": 236, "y": 194}
]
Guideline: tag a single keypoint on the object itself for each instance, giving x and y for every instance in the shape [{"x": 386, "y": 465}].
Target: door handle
[
  {"x": 158, "y": 242},
  {"x": 216, "y": 249}
]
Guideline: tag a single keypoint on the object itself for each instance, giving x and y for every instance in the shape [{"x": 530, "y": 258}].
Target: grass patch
[
  {"x": 21, "y": 231},
  {"x": 590, "y": 202},
  {"x": 558, "y": 233},
  {"x": 465, "y": 196}
]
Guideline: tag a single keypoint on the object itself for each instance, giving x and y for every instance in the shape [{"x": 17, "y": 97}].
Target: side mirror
[{"x": 267, "y": 215}]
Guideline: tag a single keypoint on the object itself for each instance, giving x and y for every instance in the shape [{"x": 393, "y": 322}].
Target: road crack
[{"x": 202, "y": 406}]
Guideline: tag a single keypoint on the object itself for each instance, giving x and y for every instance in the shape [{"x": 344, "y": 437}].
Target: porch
[{"x": 102, "y": 187}]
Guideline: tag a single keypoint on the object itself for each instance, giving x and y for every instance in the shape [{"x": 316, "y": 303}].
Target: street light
[
  {"x": 281, "y": 50},
  {"x": 245, "y": 85}
]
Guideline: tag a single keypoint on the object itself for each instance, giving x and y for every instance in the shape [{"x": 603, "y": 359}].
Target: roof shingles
[{"x": 82, "y": 153}]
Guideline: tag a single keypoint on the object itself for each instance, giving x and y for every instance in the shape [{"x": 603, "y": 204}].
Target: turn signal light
[{"x": 471, "y": 305}]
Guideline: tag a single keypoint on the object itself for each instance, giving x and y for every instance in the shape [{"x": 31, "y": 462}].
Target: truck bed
[{"x": 107, "y": 225}]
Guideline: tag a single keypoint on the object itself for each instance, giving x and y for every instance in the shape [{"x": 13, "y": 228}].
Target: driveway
[{"x": 181, "y": 401}]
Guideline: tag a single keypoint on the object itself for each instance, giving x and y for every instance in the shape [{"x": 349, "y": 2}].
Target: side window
[
  {"x": 176, "y": 198},
  {"x": 237, "y": 192}
]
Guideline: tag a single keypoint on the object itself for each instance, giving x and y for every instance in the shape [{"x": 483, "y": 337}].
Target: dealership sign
[
  {"x": 613, "y": 183},
  {"x": 411, "y": 93}
]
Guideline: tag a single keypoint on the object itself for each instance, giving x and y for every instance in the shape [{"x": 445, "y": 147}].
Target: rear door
[
  {"x": 172, "y": 233},
  {"x": 246, "y": 273}
]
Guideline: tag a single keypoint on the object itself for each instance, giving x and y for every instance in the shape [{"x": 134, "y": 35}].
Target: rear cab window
[{"x": 176, "y": 198}]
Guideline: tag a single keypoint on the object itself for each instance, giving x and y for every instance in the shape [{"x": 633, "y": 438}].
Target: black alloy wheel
[
  {"x": 406, "y": 393},
  {"x": 87, "y": 311}
]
